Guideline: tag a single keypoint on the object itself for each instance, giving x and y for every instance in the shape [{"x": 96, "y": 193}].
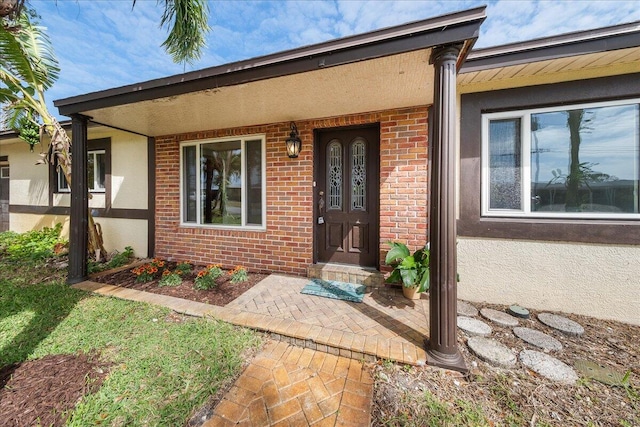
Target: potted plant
[{"x": 412, "y": 270}]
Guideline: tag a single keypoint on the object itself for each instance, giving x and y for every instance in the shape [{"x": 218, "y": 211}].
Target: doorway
[{"x": 347, "y": 185}]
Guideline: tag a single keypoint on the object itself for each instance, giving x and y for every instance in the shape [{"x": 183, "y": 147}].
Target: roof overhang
[
  {"x": 577, "y": 55},
  {"x": 383, "y": 69}
]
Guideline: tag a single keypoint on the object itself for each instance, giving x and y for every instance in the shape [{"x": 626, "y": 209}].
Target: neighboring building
[
  {"x": 38, "y": 196},
  {"x": 221, "y": 188}
]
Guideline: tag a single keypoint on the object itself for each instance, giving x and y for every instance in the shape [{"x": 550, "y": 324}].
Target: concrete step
[{"x": 346, "y": 273}]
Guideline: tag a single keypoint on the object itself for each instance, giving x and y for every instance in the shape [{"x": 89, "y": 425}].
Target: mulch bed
[
  {"x": 43, "y": 391},
  {"x": 221, "y": 295},
  {"x": 519, "y": 396}
]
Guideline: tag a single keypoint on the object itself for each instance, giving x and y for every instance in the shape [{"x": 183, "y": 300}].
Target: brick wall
[{"x": 287, "y": 244}]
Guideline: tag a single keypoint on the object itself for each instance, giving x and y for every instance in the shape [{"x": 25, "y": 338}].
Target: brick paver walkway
[
  {"x": 313, "y": 373},
  {"x": 286, "y": 385}
]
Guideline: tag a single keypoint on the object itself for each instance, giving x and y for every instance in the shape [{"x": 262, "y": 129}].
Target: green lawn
[{"x": 160, "y": 369}]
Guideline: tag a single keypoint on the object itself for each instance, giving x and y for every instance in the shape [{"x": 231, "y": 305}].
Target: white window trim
[
  {"x": 243, "y": 226},
  {"x": 4, "y": 172},
  {"x": 525, "y": 129},
  {"x": 92, "y": 188}
]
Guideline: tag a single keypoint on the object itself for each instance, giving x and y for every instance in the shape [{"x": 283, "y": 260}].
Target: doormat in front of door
[{"x": 335, "y": 290}]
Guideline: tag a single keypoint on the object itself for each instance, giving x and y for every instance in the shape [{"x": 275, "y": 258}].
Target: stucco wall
[
  {"x": 117, "y": 232},
  {"x": 595, "y": 280},
  {"x": 29, "y": 183}
]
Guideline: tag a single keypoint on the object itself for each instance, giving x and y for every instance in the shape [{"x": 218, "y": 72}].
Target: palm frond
[
  {"x": 187, "y": 22},
  {"x": 27, "y": 53}
]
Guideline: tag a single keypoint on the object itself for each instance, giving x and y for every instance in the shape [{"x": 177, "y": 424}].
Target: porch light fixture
[{"x": 294, "y": 143}]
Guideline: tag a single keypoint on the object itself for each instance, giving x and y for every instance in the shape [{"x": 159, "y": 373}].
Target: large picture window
[
  {"x": 223, "y": 182},
  {"x": 96, "y": 173},
  {"x": 579, "y": 161}
]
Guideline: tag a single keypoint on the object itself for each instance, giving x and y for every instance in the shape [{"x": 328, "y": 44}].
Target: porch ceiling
[
  {"x": 382, "y": 69},
  {"x": 400, "y": 80}
]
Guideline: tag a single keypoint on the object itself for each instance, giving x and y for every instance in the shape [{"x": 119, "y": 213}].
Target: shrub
[
  {"x": 206, "y": 279},
  {"x": 118, "y": 259},
  {"x": 183, "y": 268},
  {"x": 170, "y": 278},
  {"x": 32, "y": 245},
  {"x": 238, "y": 274}
]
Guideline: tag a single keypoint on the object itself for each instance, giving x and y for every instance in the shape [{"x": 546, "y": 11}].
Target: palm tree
[{"x": 28, "y": 67}]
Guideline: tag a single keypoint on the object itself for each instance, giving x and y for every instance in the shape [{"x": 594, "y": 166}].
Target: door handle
[{"x": 321, "y": 202}]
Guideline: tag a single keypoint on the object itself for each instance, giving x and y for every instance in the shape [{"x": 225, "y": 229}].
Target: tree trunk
[
  {"x": 574, "y": 122},
  {"x": 59, "y": 150}
]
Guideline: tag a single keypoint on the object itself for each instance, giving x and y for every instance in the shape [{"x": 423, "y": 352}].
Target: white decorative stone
[
  {"x": 466, "y": 309},
  {"x": 561, "y": 323},
  {"x": 548, "y": 367},
  {"x": 537, "y": 338},
  {"x": 499, "y": 317},
  {"x": 473, "y": 326},
  {"x": 492, "y": 351}
]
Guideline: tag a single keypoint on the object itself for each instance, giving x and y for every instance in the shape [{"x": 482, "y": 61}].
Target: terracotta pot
[{"x": 410, "y": 293}]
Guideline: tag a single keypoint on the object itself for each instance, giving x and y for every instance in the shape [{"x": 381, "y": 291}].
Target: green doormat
[{"x": 335, "y": 290}]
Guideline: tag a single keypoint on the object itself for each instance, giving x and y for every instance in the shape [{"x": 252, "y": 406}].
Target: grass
[{"x": 160, "y": 369}]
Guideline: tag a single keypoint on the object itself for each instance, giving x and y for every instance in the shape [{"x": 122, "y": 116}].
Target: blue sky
[{"x": 103, "y": 44}]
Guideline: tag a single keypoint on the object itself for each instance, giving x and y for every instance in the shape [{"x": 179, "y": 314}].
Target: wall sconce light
[{"x": 294, "y": 143}]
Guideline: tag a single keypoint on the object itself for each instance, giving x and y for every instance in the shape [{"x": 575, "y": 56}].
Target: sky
[{"x": 103, "y": 44}]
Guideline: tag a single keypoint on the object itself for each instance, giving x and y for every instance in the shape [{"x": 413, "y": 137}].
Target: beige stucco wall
[
  {"x": 595, "y": 280},
  {"x": 129, "y": 180},
  {"x": 29, "y": 184},
  {"x": 117, "y": 232}
]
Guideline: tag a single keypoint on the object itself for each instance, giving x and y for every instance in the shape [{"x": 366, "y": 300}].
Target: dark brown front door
[{"x": 347, "y": 185}]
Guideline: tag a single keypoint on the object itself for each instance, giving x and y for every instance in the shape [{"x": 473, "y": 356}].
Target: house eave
[
  {"x": 460, "y": 27},
  {"x": 599, "y": 40}
]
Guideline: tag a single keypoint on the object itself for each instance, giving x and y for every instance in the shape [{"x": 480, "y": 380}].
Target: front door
[
  {"x": 4, "y": 198},
  {"x": 347, "y": 185}
]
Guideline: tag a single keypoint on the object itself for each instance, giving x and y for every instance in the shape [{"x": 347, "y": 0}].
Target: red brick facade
[{"x": 287, "y": 244}]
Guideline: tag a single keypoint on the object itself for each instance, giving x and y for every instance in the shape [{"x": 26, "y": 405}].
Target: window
[
  {"x": 580, "y": 161},
  {"x": 96, "y": 172},
  {"x": 4, "y": 172},
  {"x": 222, "y": 182}
]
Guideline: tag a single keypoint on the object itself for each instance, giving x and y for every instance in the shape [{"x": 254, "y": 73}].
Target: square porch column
[{"x": 79, "y": 212}]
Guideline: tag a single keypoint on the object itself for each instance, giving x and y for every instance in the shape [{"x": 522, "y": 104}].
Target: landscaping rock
[
  {"x": 492, "y": 351},
  {"x": 473, "y": 326},
  {"x": 499, "y": 317},
  {"x": 537, "y": 338},
  {"x": 561, "y": 323},
  {"x": 517, "y": 311},
  {"x": 548, "y": 367},
  {"x": 466, "y": 309}
]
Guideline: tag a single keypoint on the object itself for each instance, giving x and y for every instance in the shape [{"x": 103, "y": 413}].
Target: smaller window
[
  {"x": 95, "y": 173},
  {"x": 4, "y": 172}
]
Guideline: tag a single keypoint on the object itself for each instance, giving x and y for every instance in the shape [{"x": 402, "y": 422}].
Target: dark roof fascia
[
  {"x": 453, "y": 28},
  {"x": 10, "y": 133},
  {"x": 571, "y": 44}
]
